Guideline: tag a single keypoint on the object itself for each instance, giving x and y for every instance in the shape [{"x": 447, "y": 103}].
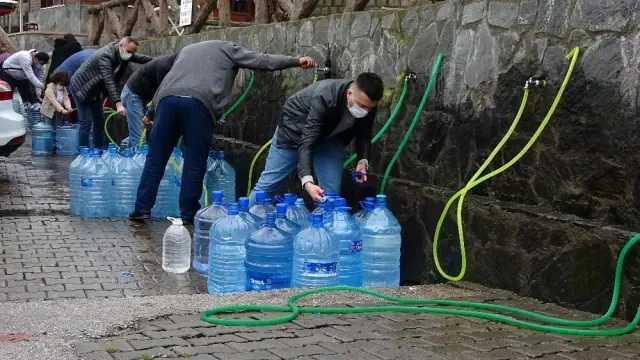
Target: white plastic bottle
[{"x": 176, "y": 248}]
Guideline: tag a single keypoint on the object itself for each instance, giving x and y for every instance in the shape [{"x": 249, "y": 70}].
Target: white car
[{"x": 12, "y": 126}]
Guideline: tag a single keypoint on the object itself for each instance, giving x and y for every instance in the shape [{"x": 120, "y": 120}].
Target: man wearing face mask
[
  {"x": 98, "y": 74},
  {"x": 25, "y": 70},
  {"x": 317, "y": 122}
]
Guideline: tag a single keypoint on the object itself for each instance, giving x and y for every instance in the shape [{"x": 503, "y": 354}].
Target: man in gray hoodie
[{"x": 186, "y": 104}]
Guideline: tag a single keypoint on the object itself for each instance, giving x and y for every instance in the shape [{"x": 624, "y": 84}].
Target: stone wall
[
  {"x": 41, "y": 40},
  {"x": 549, "y": 226},
  {"x": 329, "y": 7},
  {"x": 63, "y": 18}
]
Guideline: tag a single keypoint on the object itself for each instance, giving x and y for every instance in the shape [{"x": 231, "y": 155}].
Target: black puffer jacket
[
  {"x": 312, "y": 114},
  {"x": 102, "y": 70},
  {"x": 62, "y": 48}
]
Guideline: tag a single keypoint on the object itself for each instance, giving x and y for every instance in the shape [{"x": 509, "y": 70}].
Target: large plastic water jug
[
  {"x": 320, "y": 206},
  {"x": 211, "y": 161},
  {"x": 202, "y": 224},
  {"x": 112, "y": 151},
  {"x": 381, "y": 240},
  {"x": 227, "y": 253},
  {"x": 367, "y": 205},
  {"x": 66, "y": 140},
  {"x": 167, "y": 198},
  {"x": 141, "y": 155},
  {"x": 126, "y": 178},
  {"x": 95, "y": 188},
  {"x": 298, "y": 213},
  {"x": 269, "y": 255},
  {"x": 261, "y": 207},
  {"x": 348, "y": 232},
  {"x": 43, "y": 139},
  {"x": 327, "y": 209},
  {"x": 177, "y": 162},
  {"x": 176, "y": 248},
  {"x": 285, "y": 224},
  {"x": 75, "y": 204},
  {"x": 243, "y": 207},
  {"x": 316, "y": 253},
  {"x": 222, "y": 177},
  {"x": 111, "y": 157}
]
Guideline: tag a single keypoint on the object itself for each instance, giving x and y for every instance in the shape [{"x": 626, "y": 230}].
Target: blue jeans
[
  {"x": 328, "y": 159},
  {"x": 135, "y": 109},
  {"x": 177, "y": 116},
  {"x": 90, "y": 114}
]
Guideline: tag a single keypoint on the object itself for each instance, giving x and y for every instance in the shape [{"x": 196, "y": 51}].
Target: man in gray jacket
[
  {"x": 99, "y": 74},
  {"x": 186, "y": 104}
]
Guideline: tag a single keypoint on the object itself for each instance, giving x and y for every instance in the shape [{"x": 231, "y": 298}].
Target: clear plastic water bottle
[
  {"x": 95, "y": 188},
  {"x": 222, "y": 177},
  {"x": 298, "y": 213},
  {"x": 75, "y": 176},
  {"x": 111, "y": 158},
  {"x": 211, "y": 162},
  {"x": 176, "y": 248},
  {"x": 202, "y": 224},
  {"x": 349, "y": 233},
  {"x": 141, "y": 155},
  {"x": 243, "y": 207},
  {"x": 285, "y": 224},
  {"x": 261, "y": 207},
  {"x": 126, "y": 178},
  {"x": 112, "y": 151},
  {"x": 227, "y": 253},
  {"x": 328, "y": 210},
  {"x": 66, "y": 140},
  {"x": 177, "y": 162},
  {"x": 43, "y": 139},
  {"x": 320, "y": 206},
  {"x": 367, "y": 205},
  {"x": 269, "y": 256},
  {"x": 381, "y": 240},
  {"x": 166, "y": 199},
  {"x": 316, "y": 253}
]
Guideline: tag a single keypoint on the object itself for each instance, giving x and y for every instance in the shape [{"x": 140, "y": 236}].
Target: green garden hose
[
  {"x": 386, "y": 125},
  {"x": 573, "y": 55},
  {"x": 544, "y": 322},
  {"x": 416, "y": 117}
]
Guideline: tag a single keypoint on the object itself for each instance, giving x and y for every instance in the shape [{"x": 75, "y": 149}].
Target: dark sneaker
[{"x": 139, "y": 216}]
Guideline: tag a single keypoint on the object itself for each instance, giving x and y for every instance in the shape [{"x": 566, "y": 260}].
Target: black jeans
[{"x": 26, "y": 89}]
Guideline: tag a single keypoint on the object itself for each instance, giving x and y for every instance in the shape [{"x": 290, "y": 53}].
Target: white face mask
[
  {"x": 125, "y": 55},
  {"x": 357, "y": 111}
]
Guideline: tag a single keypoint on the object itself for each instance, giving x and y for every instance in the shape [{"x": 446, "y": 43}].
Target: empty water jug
[
  {"x": 202, "y": 224},
  {"x": 111, "y": 157},
  {"x": 381, "y": 240},
  {"x": 66, "y": 140},
  {"x": 227, "y": 253},
  {"x": 316, "y": 253},
  {"x": 176, "y": 248},
  {"x": 43, "y": 139},
  {"x": 167, "y": 197},
  {"x": 75, "y": 177},
  {"x": 211, "y": 160},
  {"x": 285, "y": 224},
  {"x": 348, "y": 232},
  {"x": 262, "y": 206},
  {"x": 320, "y": 206},
  {"x": 95, "y": 188},
  {"x": 141, "y": 155},
  {"x": 243, "y": 207},
  {"x": 269, "y": 255},
  {"x": 112, "y": 151},
  {"x": 367, "y": 205},
  {"x": 298, "y": 213},
  {"x": 178, "y": 165},
  {"x": 327, "y": 209},
  {"x": 126, "y": 178},
  {"x": 222, "y": 177}
]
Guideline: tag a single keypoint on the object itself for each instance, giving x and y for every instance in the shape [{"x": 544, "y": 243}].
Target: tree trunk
[
  {"x": 133, "y": 18},
  {"x": 302, "y": 9},
  {"x": 151, "y": 15},
  {"x": 109, "y": 4},
  {"x": 202, "y": 17},
  {"x": 97, "y": 26},
  {"x": 224, "y": 13},
  {"x": 4, "y": 40},
  {"x": 355, "y": 5},
  {"x": 164, "y": 18},
  {"x": 261, "y": 15},
  {"x": 112, "y": 18}
]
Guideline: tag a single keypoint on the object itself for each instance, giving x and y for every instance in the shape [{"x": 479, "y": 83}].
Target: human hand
[
  {"x": 307, "y": 62},
  {"x": 65, "y": 112},
  {"x": 146, "y": 122},
  {"x": 314, "y": 191},
  {"x": 362, "y": 169},
  {"x": 120, "y": 109}
]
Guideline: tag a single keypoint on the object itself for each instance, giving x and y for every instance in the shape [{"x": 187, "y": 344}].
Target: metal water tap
[
  {"x": 535, "y": 81},
  {"x": 410, "y": 76}
]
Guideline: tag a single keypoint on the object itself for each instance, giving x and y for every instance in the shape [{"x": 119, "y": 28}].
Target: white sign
[{"x": 186, "y": 6}]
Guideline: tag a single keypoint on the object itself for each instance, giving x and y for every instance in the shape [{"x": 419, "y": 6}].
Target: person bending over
[
  {"x": 186, "y": 104},
  {"x": 317, "y": 122},
  {"x": 25, "y": 70}
]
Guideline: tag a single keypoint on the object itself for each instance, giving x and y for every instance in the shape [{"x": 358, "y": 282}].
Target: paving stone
[
  {"x": 352, "y": 355},
  {"x": 97, "y": 355},
  {"x": 209, "y": 349},
  {"x": 253, "y": 355},
  {"x": 406, "y": 352},
  {"x": 117, "y": 345},
  {"x": 148, "y": 344},
  {"x": 261, "y": 335},
  {"x": 293, "y": 353},
  {"x": 594, "y": 354},
  {"x": 498, "y": 354},
  {"x": 136, "y": 355},
  {"x": 258, "y": 345},
  {"x": 308, "y": 340},
  {"x": 197, "y": 357},
  {"x": 219, "y": 339},
  {"x": 544, "y": 348},
  {"x": 181, "y": 333},
  {"x": 348, "y": 347},
  {"x": 493, "y": 344}
]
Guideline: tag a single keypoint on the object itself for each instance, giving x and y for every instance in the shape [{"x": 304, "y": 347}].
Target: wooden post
[
  {"x": 5, "y": 41},
  {"x": 132, "y": 19},
  {"x": 224, "y": 13},
  {"x": 202, "y": 17},
  {"x": 151, "y": 15},
  {"x": 164, "y": 18}
]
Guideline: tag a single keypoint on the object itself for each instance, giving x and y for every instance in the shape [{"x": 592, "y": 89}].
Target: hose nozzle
[
  {"x": 410, "y": 76},
  {"x": 537, "y": 81}
]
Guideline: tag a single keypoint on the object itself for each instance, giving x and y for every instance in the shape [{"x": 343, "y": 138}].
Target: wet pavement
[{"x": 45, "y": 253}]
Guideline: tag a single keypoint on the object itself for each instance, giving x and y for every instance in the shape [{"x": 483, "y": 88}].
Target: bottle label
[
  {"x": 86, "y": 183},
  {"x": 355, "y": 246},
  {"x": 259, "y": 283},
  {"x": 320, "y": 268}
]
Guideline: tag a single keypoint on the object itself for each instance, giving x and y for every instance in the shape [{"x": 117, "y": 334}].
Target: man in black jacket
[
  {"x": 98, "y": 74},
  {"x": 62, "y": 48},
  {"x": 317, "y": 122},
  {"x": 139, "y": 91}
]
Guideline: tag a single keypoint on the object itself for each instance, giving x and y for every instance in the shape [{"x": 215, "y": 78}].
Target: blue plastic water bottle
[
  {"x": 348, "y": 232},
  {"x": 261, "y": 207},
  {"x": 95, "y": 188},
  {"x": 222, "y": 177},
  {"x": 202, "y": 224},
  {"x": 298, "y": 213},
  {"x": 75, "y": 203},
  {"x": 227, "y": 253},
  {"x": 126, "y": 179},
  {"x": 367, "y": 205},
  {"x": 381, "y": 240},
  {"x": 243, "y": 207},
  {"x": 316, "y": 255},
  {"x": 141, "y": 155},
  {"x": 211, "y": 162},
  {"x": 42, "y": 142},
  {"x": 167, "y": 199},
  {"x": 269, "y": 255},
  {"x": 66, "y": 140},
  {"x": 285, "y": 224}
]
